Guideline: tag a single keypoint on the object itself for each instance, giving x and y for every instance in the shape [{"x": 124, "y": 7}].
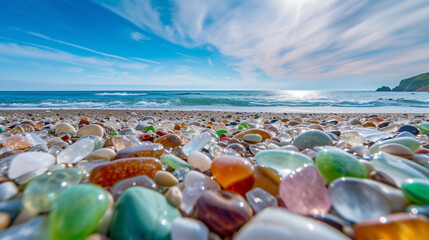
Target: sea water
[{"x": 248, "y": 101}]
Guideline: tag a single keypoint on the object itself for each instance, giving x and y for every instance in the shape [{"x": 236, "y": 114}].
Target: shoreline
[{"x": 185, "y": 114}]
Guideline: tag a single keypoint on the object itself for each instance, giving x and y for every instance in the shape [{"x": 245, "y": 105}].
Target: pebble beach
[{"x": 164, "y": 174}]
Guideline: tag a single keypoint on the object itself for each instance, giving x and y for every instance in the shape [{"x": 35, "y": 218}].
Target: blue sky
[{"x": 222, "y": 44}]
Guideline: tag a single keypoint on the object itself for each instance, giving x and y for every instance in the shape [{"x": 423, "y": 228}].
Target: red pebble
[
  {"x": 161, "y": 133},
  {"x": 66, "y": 137},
  {"x": 146, "y": 137},
  {"x": 422, "y": 151}
]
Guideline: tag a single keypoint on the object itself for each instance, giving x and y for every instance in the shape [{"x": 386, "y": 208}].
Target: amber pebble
[
  {"x": 169, "y": 140},
  {"x": 264, "y": 134},
  {"x": 339, "y": 119},
  {"x": 29, "y": 122},
  {"x": 399, "y": 226},
  {"x": 368, "y": 124},
  {"x": 233, "y": 140},
  {"x": 238, "y": 148},
  {"x": 233, "y": 173},
  {"x": 22, "y": 128},
  {"x": 18, "y": 142},
  {"x": 143, "y": 150},
  {"x": 267, "y": 179},
  {"x": 84, "y": 122},
  {"x": 223, "y": 212},
  {"x": 108, "y": 174}
]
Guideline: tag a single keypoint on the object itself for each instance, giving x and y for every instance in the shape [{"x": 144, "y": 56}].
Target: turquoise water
[{"x": 272, "y": 101}]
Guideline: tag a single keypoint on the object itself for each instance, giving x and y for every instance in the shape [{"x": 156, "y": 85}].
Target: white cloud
[
  {"x": 209, "y": 60},
  {"x": 139, "y": 36},
  {"x": 294, "y": 39}
]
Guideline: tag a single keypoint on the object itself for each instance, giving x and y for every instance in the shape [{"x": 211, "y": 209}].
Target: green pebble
[
  {"x": 416, "y": 190},
  {"x": 43, "y": 190},
  {"x": 113, "y": 134},
  {"x": 174, "y": 162},
  {"x": 220, "y": 132},
  {"x": 244, "y": 126},
  {"x": 335, "y": 163},
  {"x": 424, "y": 127},
  {"x": 150, "y": 128},
  {"x": 142, "y": 213},
  {"x": 77, "y": 212},
  {"x": 408, "y": 142}
]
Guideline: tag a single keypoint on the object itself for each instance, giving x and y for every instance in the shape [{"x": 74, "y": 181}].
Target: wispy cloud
[
  {"x": 138, "y": 36},
  {"x": 209, "y": 60},
  {"x": 75, "y": 46},
  {"x": 55, "y": 55},
  {"x": 303, "y": 39}
]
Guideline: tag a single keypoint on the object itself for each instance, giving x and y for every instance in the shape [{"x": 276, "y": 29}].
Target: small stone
[
  {"x": 165, "y": 179},
  {"x": 102, "y": 153},
  {"x": 409, "y": 128},
  {"x": 174, "y": 196},
  {"x": 18, "y": 142},
  {"x": 416, "y": 190},
  {"x": 29, "y": 161},
  {"x": 267, "y": 179},
  {"x": 92, "y": 129},
  {"x": 259, "y": 199},
  {"x": 109, "y": 173},
  {"x": 252, "y": 138},
  {"x": 303, "y": 191},
  {"x": 174, "y": 162},
  {"x": 354, "y": 138},
  {"x": 233, "y": 173},
  {"x": 77, "y": 212},
  {"x": 12, "y": 207},
  {"x": 424, "y": 127},
  {"x": 196, "y": 143},
  {"x": 140, "y": 181},
  {"x": 64, "y": 127},
  {"x": 281, "y": 160},
  {"x": 169, "y": 140},
  {"x": 7, "y": 190},
  {"x": 278, "y": 223},
  {"x": 397, "y": 150},
  {"x": 216, "y": 208},
  {"x": 199, "y": 160},
  {"x": 410, "y": 143},
  {"x": 143, "y": 150},
  {"x": 334, "y": 163},
  {"x": 4, "y": 220},
  {"x": 141, "y": 213},
  {"x": 395, "y": 226},
  {"x": 76, "y": 152},
  {"x": 312, "y": 138},
  {"x": 121, "y": 142},
  {"x": 188, "y": 228},
  {"x": 43, "y": 190},
  {"x": 36, "y": 228},
  {"x": 263, "y": 133}
]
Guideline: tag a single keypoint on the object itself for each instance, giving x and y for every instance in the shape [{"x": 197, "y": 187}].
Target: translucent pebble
[
  {"x": 42, "y": 191},
  {"x": 197, "y": 143},
  {"x": 121, "y": 142},
  {"x": 7, "y": 190},
  {"x": 190, "y": 196},
  {"x": 353, "y": 138},
  {"x": 76, "y": 152},
  {"x": 260, "y": 199},
  {"x": 193, "y": 177},
  {"x": 36, "y": 228},
  {"x": 29, "y": 161}
]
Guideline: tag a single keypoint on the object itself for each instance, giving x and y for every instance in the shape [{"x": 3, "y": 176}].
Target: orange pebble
[
  {"x": 399, "y": 226},
  {"x": 264, "y": 134},
  {"x": 108, "y": 174},
  {"x": 233, "y": 173}
]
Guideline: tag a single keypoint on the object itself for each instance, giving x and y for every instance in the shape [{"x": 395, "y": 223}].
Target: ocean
[{"x": 244, "y": 101}]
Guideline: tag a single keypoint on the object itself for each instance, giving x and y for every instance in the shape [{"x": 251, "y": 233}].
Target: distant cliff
[{"x": 419, "y": 83}]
